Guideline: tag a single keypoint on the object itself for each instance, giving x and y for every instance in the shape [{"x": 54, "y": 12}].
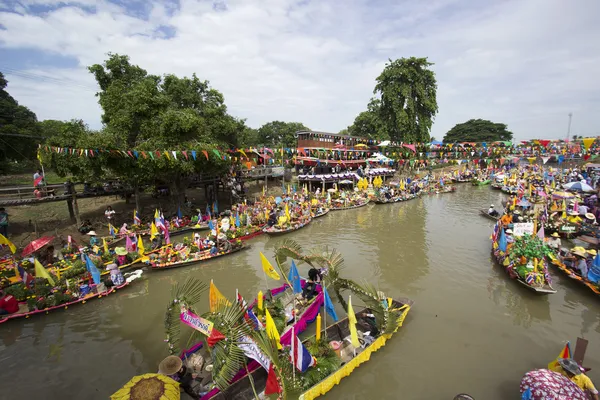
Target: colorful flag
[
  {"x": 5, "y": 242},
  {"x": 215, "y": 298},
  {"x": 153, "y": 231},
  {"x": 329, "y": 305},
  {"x": 294, "y": 278},
  {"x": 208, "y": 212},
  {"x": 41, "y": 272},
  {"x": 272, "y": 385},
  {"x": 287, "y": 213},
  {"x": 216, "y": 207},
  {"x": 564, "y": 353},
  {"x": 27, "y": 278},
  {"x": 128, "y": 244},
  {"x": 268, "y": 268},
  {"x": 541, "y": 233},
  {"x": 111, "y": 230},
  {"x": 272, "y": 329},
  {"x": 140, "y": 246},
  {"x": 105, "y": 246},
  {"x": 136, "y": 218},
  {"x": 352, "y": 325},
  {"x": 237, "y": 220},
  {"x": 502, "y": 243},
  {"x": 167, "y": 235},
  {"x": 38, "y": 180},
  {"x": 240, "y": 299},
  {"x": 179, "y": 214},
  {"x": 254, "y": 320},
  {"x": 91, "y": 267},
  {"x": 300, "y": 356}
]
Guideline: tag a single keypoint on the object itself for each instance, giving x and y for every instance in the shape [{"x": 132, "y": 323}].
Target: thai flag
[
  {"x": 300, "y": 356},
  {"x": 111, "y": 231},
  {"x": 136, "y": 218},
  {"x": 162, "y": 221},
  {"x": 27, "y": 278},
  {"x": 240, "y": 299},
  {"x": 254, "y": 320},
  {"x": 177, "y": 222}
]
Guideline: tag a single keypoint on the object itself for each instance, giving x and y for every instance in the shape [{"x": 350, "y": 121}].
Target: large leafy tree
[
  {"x": 279, "y": 133},
  {"x": 368, "y": 123},
  {"x": 17, "y": 122},
  {"x": 478, "y": 130},
  {"x": 407, "y": 88}
]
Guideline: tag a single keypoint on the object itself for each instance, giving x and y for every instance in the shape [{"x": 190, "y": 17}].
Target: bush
[{"x": 18, "y": 290}]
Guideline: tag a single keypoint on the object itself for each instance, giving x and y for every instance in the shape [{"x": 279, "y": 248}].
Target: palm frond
[{"x": 289, "y": 249}]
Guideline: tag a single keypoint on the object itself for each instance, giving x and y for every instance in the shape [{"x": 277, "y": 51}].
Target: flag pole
[
  {"x": 293, "y": 356},
  {"x": 325, "y": 313}
]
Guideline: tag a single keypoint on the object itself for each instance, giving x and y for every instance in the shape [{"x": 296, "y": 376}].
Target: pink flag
[
  {"x": 69, "y": 239},
  {"x": 128, "y": 244},
  {"x": 167, "y": 235},
  {"x": 576, "y": 206},
  {"x": 540, "y": 233},
  {"x": 410, "y": 146}
]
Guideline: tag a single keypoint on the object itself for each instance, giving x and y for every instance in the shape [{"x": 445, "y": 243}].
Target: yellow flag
[
  {"x": 352, "y": 325},
  {"x": 587, "y": 142},
  {"x": 268, "y": 268},
  {"x": 39, "y": 156},
  {"x": 140, "y": 246},
  {"x": 105, "y": 246},
  {"x": 153, "y": 231},
  {"x": 215, "y": 298},
  {"x": 40, "y": 272},
  {"x": 287, "y": 213},
  {"x": 5, "y": 242},
  {"x": 564, "y": 206},
  {"x": 272, "y": 329},
  {"x": 156, "y": 214}
]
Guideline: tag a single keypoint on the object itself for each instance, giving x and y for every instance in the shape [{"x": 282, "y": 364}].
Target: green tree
[
  {"x": 368, "y": 123},
  {"x": 279, "y": 133},
  {"x": 478, "y": 130},
  {"x": 17, "y": 122},
  {"x": 407, "y": 88},
  {"x": 248, "y": 137},
  {"x": 344, "y": 132},
  {"x": 51, "y": 127}
]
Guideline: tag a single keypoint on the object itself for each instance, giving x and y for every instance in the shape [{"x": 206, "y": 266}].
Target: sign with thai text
[
  {"x": 198, "y": 323},
  {"x": 520, "y": 229},
  {"x": 251, "y": 350}
]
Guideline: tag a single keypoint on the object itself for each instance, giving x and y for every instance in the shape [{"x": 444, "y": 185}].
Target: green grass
[{"x": 27, "y": 179}]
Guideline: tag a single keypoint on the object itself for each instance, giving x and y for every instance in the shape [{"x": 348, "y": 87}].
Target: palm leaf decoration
[
  {"x": 289, "y": 249},
  {"x": 187, "y": 294}
]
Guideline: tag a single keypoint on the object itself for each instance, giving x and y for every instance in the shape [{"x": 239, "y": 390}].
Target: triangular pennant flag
[{"x": 215, "y": 298}]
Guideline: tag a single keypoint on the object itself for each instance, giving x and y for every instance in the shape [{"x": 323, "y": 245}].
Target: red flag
[
  {"x": 205, "y": 153},
  {"x": 215, "y": 337},
  {"x": 272, "y": 384}
]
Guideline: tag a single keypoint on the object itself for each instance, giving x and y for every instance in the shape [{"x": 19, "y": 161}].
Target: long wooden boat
[
  {"x": 481, "y": 183},
  {"x": 488, "y": 216},
  {"x": 396, "y": 199},
  {"x": 64, "y": 306},
  {"x": 558, "y": 263},
  {"x": 273, "y": 231},
  {"x": 333, "y": 208},
  {"x": 241, "y": 384},
  {"x": 324, "y": 213},
  {"x": 497, "y": 186},
  {"x": 185, "y": 263}
]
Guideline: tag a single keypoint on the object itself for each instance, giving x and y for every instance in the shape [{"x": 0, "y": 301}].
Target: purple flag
[{"x": 540, "y": 233}]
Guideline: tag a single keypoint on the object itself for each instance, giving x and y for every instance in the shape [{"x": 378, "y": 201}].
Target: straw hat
[
  {"x": 590, "y": 216},
  {"x": 569, "y": 365},
  {"x": 112, "y": 266},
  {"x": 516, "y": 212},
  {"x": 579, "y": 252},
  {"x": 170, "y": 365},
  {"x": 573, "y": 213},
  {"x": 121, "y": 251},
  {"x": 592, "y": 252},
  {"x": 555, "y": 234},
  {"x": 91, "y": 233}
]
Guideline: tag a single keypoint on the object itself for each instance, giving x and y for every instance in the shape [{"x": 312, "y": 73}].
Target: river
[{"x": 471, "y": 329}]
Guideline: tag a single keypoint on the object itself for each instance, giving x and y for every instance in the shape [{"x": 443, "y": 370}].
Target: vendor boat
[
  {"x": 322, "y": 214},
  {"x": 198, "y": 257},
  {"x": 558, "y": 261},
  {"x": 477, "y": 182},
  {"x": 533, "y": 274},
  {"x": 488, "y": 216},
  {"x": 130, "y": 277},
  {"x": 341, "y": 206},
  {"x": 276, "y": 231}
]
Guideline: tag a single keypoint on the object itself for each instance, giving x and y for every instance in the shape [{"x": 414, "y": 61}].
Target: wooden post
[
  {"x": 76, "y": 210},
  {"x": 71, "y": 213}
]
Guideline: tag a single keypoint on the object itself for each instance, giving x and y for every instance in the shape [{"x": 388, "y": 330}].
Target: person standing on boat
[{"x": 569, "y": 368}]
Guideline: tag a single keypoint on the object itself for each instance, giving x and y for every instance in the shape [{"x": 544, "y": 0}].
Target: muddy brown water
[{"x": 471, "y": 330}]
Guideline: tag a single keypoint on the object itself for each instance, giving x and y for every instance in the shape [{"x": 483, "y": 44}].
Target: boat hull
[{"x": 198, "y": 261}]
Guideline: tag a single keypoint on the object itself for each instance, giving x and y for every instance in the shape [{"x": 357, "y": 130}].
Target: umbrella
[
  {"x": 524, "y": 203},
  {"x": 562, "y": 195},
  {"x": 579, "y": 187},
  {"x": 278, "y": 200},
  {"x": 360, "y": 146},
  {"x": 346, "y": 182},
  {"x": 149, "y": 387},
  {"x": 543, "y": 384},
  {"x": 36, "y": 245}
]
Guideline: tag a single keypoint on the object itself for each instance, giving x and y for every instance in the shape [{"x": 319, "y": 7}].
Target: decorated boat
[
  {"x": 182, "y": 256},
  {"x": 523, "y": 260},
  {"x": 478, "y": 182},
  {"x": 484, "y": 213},
  {"x": 341, "y": 205},
  {"x": 323, "y": 213},
  {"x": 276, "y": 230},
  {"x": 30, "y": 305},
  {"x": 559, "y": 262}
]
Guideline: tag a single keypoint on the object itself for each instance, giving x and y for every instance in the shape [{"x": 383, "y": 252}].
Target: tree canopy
[
  {"x": 368, "y": 123},
  {"x": 407, "y": 88},
  {"x": 279, "y": 133},
  {"x": 478, "y": 130}
]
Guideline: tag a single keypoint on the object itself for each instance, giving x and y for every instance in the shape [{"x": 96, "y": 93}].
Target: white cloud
[{"x": 527, "y": 63}]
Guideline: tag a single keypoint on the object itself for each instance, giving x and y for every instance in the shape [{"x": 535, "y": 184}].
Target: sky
[{"x": 526, "y": 63}]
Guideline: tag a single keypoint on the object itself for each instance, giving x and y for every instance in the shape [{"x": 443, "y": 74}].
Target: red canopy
[{"x": 36, "y": 245}]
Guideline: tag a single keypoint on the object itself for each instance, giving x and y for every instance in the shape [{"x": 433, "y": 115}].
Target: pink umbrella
[
  {"x": 36, "y": 245},
  {"x": 543, "y": 384}
]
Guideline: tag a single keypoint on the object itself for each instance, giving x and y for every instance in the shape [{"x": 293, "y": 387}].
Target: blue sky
[{"x": 527, "y": 63}]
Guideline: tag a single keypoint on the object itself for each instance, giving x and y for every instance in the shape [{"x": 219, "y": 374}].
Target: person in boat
[
  {"x": 124, "y": 229},
  {"x": 85, "y": 227},
  {"x": 569, "y": 368},
  {"x": 509, "y": 236},
  {"x": 157, "y": 242},
  {"x": 574, "y": 218},
  {"x": 116, "y": 277},
  {"x": 173, "y": 367},
  {"x": 580, "y": 261},
  {"x": 492, "y": 211},
  {"x": 506, "y": 219},
  {"x": 121, "y": 253},
  {"x": 52, "y": 255},
  {"x": 272, "y": 219},
  {"x": 554, "y": 242},
  {"x": 590, "y": 219},
  {"x": 198, "y": 240},
  {"x": 8, "y": 303},
  {"x": 310, "y": 288},
  {"x": 94, "y": 241}
]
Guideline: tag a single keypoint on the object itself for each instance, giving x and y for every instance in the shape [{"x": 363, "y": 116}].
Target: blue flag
[
  {"x": 294, "y": 278},
  {"x": 237, "y": 220},
  {"x": 329, "y": 305},
  {"x": 216, "y": 207},
  {"x": 502, "y": 241},
  {"x": 92, "y": 269},
  {"x": 210, "y": 225},
  {"x": 179, "y": 214},
  {"x": 208, "y": 212}
]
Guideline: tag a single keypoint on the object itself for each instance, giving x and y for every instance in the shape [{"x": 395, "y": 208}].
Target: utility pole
[{"x": 569, "y": 127}]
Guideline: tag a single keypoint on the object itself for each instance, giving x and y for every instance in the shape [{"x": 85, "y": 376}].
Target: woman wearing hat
[
  {"x": 590, "y": 218},
  {"x": 580, "y": 263},
  {"x": 94, "y": 241},
  {"x": 574, "y": 218},
  {"x": 554, "y": 242},
  {"x": 116, "y": 277},
  {"x": 569, "y": 368},
  {"x": 173, "y": 367}
]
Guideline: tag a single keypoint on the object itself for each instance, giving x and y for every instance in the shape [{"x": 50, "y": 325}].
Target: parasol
[
  {"x": 36, "y": 245},
  {"x": 346, "y": 182},
  {"x": 543, "y": 384},
  {"x": 149, "y": 387},
  {"x": 579, "y": 187},
  {"x": 562, "y": 195},
  {"x": 360, "y": 146}
]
